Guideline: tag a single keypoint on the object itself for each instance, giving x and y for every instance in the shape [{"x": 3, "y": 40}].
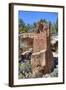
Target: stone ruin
[{"x": 42, "y": 57}]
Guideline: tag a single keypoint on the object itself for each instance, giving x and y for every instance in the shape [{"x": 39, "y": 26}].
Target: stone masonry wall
[
  {"x": 42, "y": 63},
  {"x": 39, "y": 42}
]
